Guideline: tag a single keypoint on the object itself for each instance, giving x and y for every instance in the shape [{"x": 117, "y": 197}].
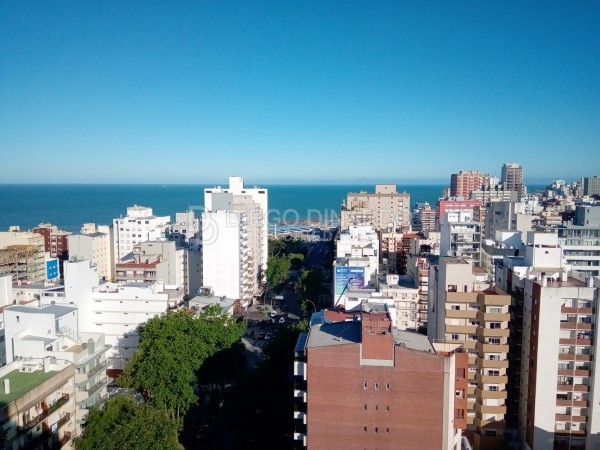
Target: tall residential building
[
  {"x": 386, "y": 209},
  {"x": 249, "y": 208},
  {"x": 55, "y": 241},
  {"x": 22, "y": 255},
  {"x": 114, "y": 309},
  {"x": 95, "y": 245},
  {"x": 591, "y": 186},
  {"x": 553, "y": 377},
  {"x": 357, "y": 261},
  {"x": 464, "y": 308},
  {"x": 139, "y": 225},
  {"x": 466, "y": 181},
  {"x": 460, "y": 236},
  {"x": 455, "y": 204},
  {"x": 424, "y": 218},
  {"x": 228, "y": 262},
  {"x": 153, "y": 261},
  {"x": 52, "y": 332},
  {"x": 580, "y": 241},
  {"x": 512, "y": 178},
  {"x": 364, "y": 384},
  {"x": 37, "y": 403},
  {"x": 508, "y": 216}
]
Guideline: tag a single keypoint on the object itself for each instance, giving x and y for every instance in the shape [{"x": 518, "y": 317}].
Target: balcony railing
[
  {"x": 36, "y": 420},
  {"x": 97, "y": 369},
  {"x": 46, "y": 434},
  {"x": 97, "y": 386}
]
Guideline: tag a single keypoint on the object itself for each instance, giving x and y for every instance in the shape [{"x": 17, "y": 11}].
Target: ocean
[{"x": 68, "y": 206}]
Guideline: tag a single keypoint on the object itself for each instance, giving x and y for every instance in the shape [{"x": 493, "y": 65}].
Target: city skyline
[{"x": 299, "y": 93}]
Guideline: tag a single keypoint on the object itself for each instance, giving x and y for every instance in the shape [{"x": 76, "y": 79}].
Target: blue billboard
[
  {"x": 52, "y": 269},
  {"x": 347, "y": 277}
]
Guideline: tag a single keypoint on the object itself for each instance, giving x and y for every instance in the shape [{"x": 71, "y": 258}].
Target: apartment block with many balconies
[
  {"x": 464, "y": 308},
  {"x": 553, "y": 369}
]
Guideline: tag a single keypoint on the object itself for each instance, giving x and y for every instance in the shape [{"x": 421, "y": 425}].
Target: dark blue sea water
[{"x": 69, "y": 206}]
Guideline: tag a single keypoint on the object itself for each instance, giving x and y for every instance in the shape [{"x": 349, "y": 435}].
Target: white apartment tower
[
  {"x": 235, "y": 236},
  {"x": 139, "y": 225}
]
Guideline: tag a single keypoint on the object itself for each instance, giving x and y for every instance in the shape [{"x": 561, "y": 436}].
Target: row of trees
[{"x": 177, "y": 352}]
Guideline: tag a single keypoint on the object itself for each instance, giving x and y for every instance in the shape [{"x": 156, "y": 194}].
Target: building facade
[
  {"x": 389, "y": 389},
  {"x": 385, "y": 209},
  {"x": 139, "y": 225},
  {"x": 466, "y": 181},
  {"x": 512, "y": 178},
  {"x": 464, "y": 308}
]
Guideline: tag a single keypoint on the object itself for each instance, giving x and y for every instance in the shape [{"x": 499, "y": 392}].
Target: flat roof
[
  {"x": 21, "y": 383},
  {"x": 43, "y": 339},
  {"x": 410, "y": 339},
  {"x": 57, "y": 310},
  {"x": 338, "y": 333}
]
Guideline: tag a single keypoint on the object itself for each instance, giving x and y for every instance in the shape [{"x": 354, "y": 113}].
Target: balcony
[
  {"x": 573, "y": 357},
  {"x": 578, "y": 403},
  {"x": 571, "y": 310},
  {"x": 46, "y": 434},
  {"x": 491, "y": 394},
  {"x": 569, "y": 418},
  {"x": 489, "y": 363},
  {"x": 491, "y": 348},
  {"x": 575, "y": 326},
  {"x": 97, "y": 369},
  {"x": 493, "y": 332},
  {"x": 486, "y": 409},
  {"x": 494, "y": 379},
  {"x": 97, "y": 386},
  {"x": 36, "y": 420}
]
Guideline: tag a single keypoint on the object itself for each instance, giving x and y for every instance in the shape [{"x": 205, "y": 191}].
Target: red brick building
[
  {"x": 465, "y": 181},
  {"x": 360, "y": 384},
  {"x": 55, "y": 241}
]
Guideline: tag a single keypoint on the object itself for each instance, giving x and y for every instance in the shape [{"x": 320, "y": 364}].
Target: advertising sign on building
[
  {"x": 51, "y": 269},
  {"x": 347, "y": 277}
]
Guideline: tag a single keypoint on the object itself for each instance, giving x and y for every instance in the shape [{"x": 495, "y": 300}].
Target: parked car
[
  {"x": 282, "y": 320},
  {"x": 261, "y": 335},
  {"x": 268, "y": 336},
  {"x": 273, "y": 313}
]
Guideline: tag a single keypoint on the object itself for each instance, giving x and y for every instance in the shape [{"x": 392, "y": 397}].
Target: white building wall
[
  {"x": 221, "y": 232},
  {"x": 139, "y": 225}
]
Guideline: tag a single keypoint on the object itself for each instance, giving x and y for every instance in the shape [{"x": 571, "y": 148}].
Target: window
[
  {"x": 454, "y": 337},
  {"x": 377, "y": 386},
  {"x": 493, "y": 388},
  {"x": 493, "y": 373},
  {"x": 387, "y": 408},
  {"x": 456, "y": 307},
  {"x": 494, "y": 341},
  {"x": 365, "y": 385},
  {"x": 365, "y": 406},
  {"x": 388, "y": 386},
  {"x": 365, "y": 429},
  {"x": 387, "y": 430},
  {"x": 376, "y": 430},
  {"x": 495, "y": 325}
]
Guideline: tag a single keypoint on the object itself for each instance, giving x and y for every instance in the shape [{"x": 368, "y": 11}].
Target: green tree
[
  {"x": 172, "y": 348},
  {"x": 309, "y": 286},
  {"x": 296, "y": 260},
  {"x": 278, "y": 272},
  {"x": 276, "y": 247},
  {"x": 123, "y": 425}
]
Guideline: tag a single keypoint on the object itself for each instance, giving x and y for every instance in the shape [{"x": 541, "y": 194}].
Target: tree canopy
[
  {"x": 309, "y": 285},
  {"x": 172, "y": 349},
  {"x": 123, "y": 425},
  {"x": 278, "y": 272}
]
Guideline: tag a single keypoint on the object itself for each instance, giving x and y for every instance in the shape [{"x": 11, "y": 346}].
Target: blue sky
[{"x": 300, "y": 91}]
